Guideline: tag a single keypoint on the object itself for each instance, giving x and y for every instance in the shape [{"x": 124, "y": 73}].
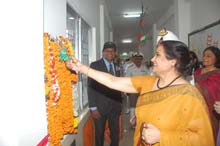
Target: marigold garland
[{"x": 58, "y": 90}]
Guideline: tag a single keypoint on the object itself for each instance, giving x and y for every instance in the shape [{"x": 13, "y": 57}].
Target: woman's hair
[
  {"x": 216, "y": 52},
  {"x": 194, "y": 61},
  {"x": 193, "y": 56},
  {"x": 180, "y": 52}
]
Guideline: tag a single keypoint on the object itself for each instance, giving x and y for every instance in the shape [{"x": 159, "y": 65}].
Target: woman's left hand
[{"x": 150, "y": 134}]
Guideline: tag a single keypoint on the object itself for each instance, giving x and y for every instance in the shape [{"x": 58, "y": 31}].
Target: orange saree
[{"x": 178, "y": 111}]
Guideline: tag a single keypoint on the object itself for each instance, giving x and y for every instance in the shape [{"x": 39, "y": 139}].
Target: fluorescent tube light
[
  {"x": 131, "y": 15},
  {"x": 126, "y": 41},
  {"x": 71, "y": 18}
]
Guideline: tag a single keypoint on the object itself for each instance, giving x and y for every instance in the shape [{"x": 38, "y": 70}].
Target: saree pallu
[
  {"x": 178, "y": 111},
  {"x": 209, "y": 85}
]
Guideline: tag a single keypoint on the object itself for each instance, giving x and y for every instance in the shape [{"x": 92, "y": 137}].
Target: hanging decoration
[
  {"x": 58, "y": 88},
  {"x": 141, "y": 35}
]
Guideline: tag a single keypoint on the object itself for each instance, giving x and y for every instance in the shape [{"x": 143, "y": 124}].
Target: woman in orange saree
[
  {"x": 177, "y": 111},
  {"x": 174, "y": 110},
  {"x": 207, "y": 80}
]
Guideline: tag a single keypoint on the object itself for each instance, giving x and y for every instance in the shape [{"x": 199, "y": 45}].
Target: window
[
  {"x": 84, "y": 58},
  {"x": 78, "y": 33}
]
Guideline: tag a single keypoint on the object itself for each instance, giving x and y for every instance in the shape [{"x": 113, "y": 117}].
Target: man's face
[
  {"x": 137, "y": 61},
  {"x": 109, "y": 54}
]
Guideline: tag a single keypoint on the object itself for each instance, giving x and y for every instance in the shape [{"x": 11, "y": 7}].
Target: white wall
[
  {"x": 147, "y": 49},
  {"x": 22, "y": 106},
  {"x": 204, "y": 12},
  {"x": 55, "y": 17},
  {"x": 102, "y": 28},
  {"x": 185, "y": 16},
  {"x": 167, "y": 20},
  {"x": 105, "y": 26},
  {"x": 182, "y": 18}
]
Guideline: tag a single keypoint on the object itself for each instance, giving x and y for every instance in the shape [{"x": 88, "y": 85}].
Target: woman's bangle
[{"x": 88, "y": 71}]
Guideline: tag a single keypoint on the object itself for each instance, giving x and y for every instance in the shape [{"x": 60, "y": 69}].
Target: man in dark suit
[{"x": 105, "y": 103}]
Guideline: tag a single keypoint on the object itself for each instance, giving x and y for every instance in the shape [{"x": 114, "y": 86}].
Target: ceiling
[{"x": 124, "y": 28}]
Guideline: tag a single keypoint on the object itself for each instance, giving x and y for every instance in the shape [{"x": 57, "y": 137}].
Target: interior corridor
[{"x": 128, "y": 131}]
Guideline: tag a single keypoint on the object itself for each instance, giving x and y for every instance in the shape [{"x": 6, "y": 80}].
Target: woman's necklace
[{"x": 158, "y": 81}]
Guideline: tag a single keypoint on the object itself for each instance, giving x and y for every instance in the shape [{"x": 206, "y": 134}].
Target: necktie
[{"x": 111, "y": 69}]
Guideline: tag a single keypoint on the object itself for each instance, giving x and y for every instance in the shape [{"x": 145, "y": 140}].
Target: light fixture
[
  {"x": 71, "y": 18},
  {"x": 124, "y": 54},
  {"x": 127, "y": 41},
  {"x": 132, "y": 15}
]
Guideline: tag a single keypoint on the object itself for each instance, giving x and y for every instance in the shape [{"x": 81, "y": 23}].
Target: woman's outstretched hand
[{"x": 73, "y": 64}]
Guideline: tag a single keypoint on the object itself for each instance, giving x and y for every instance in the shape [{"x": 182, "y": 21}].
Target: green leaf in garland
[{"x": 63, "y": 56}]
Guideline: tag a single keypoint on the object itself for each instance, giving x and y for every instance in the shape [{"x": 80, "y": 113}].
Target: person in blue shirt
[{"x": 105, "y": 103}]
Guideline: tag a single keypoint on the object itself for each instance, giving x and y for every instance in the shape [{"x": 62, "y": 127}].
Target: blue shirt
[{"x": 107, "y": 64}]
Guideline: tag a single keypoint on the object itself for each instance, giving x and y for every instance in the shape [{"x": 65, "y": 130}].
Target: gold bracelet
[{"x": 88, "y": 71}]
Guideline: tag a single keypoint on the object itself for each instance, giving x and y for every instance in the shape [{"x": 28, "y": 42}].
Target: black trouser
[{"x": 113, "y": 119}]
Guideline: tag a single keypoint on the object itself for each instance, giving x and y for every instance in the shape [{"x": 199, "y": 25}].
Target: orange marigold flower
[{"x": 58, "y": 90}]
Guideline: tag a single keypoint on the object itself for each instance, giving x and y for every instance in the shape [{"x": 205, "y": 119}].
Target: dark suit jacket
[{"x": 105, "y": 99}]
